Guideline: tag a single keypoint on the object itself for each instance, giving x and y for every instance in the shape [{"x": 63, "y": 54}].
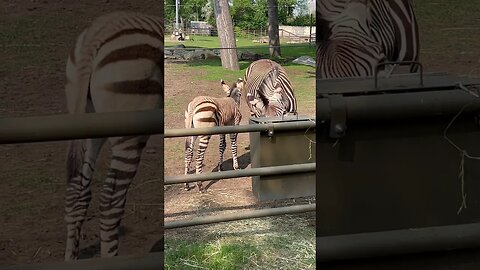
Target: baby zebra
[{"x": 204, "y": 111}]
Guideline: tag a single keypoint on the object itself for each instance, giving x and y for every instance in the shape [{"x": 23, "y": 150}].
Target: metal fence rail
[
  {"x": 272, "y": 170},
  {"x": 184, "y": 132},
  {"x": 80, "y": 126},
  {"x": 263, "y": 171},
  {"x": 97, "y": 125},
  {"x": 296, "y": 209}
]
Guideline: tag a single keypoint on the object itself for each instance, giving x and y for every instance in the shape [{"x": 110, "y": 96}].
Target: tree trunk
[
  {"x": 273, "y": 35},
  {"x": 226, "y": 35}
]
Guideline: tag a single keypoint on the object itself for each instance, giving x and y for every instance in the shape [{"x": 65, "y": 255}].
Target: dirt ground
[{"x": 32, "y": 176}]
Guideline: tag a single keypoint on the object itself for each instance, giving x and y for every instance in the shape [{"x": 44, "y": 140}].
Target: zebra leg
[
  {"x": 202, "y": 147},
  {"x": 126, "y": 153},
  {"x": 189, "y": 145},
  {"x": 233, "y": 141},
  {"x": 222, "y": 147},
  {"x": 79, "y": 193}
]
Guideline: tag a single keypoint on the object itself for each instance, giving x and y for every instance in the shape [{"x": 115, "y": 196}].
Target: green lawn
[{"x": 288, "y": 50}]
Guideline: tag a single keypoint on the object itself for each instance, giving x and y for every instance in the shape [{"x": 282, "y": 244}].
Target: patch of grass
[
  {"x": 262, "y": 243},
  {"x": 216, "y": 254}
]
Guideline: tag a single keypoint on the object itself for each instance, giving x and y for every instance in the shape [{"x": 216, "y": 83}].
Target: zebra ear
[
  {"x": 239, "y": 83},
  {"x": 225, "y": 87},
  {"x": 222, "y": 82}
]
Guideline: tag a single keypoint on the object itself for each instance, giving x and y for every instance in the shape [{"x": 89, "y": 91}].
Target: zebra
[
  {"x": 356, "y": 35},
  {"x": 115, "y": 65},
  {"x": 348, "y": 48},
  {"x": 268, "y": 89},
  {"x": 205, "y": 111}
]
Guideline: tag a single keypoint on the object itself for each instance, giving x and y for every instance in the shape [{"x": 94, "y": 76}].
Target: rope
[
  {"x": 464, "y": 153},
  {"x": 310, "y": 140}
]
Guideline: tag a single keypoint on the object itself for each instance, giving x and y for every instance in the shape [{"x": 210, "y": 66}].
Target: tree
[
  {"x": 273, "y": 35},
  {"x": 226, "y": 35}
]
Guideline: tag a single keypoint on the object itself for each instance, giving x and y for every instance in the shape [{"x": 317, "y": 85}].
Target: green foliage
[
  {"x": 246, "y": 14},
  {"x": 190, "y": 10}
]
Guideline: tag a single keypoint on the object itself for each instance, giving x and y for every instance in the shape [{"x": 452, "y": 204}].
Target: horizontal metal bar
[
  {"x": 153, "y": 261},
  {"x": 401, "y": 105},
  {"x": 184, "y": 132},
  {"x": 305, "y": 44},
  {"x": 241, "y": 215},
  {"x": 80, "y": 126},
  {"x": 398, "y": 242},
  {"x": 272, "y": 170}
]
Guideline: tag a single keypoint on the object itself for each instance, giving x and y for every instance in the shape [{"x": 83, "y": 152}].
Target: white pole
[{"x": 177, "y": 2}]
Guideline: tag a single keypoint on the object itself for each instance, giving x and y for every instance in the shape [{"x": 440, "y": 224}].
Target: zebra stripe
[
  {"x": 205, "y": 111},
  {"x": 357, "y": 35},
  {"x": 268, "y": 89},
  {"x": 115, "y": 65}
]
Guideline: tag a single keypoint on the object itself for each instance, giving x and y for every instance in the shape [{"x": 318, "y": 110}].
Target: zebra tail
[
  {"x": 75, "y": 155},
  {"x": 189, "y": 124}
]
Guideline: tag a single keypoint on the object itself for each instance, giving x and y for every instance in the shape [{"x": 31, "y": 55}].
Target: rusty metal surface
[{"x": 282, "y": 148}]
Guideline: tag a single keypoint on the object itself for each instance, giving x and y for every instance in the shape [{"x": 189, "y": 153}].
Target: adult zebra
[
  {"x": 356, "y": 35},
  {"x": 115, "y": 65},
  {"x": 268, "y": 89}
]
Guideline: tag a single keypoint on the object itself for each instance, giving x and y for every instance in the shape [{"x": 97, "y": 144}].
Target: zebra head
[{"x": 234, "y": 91}]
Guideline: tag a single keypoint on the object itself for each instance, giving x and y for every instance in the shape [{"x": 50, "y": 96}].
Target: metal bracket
[
  {"x": 270, "y": 130},
  {"x": 338, "y": 116},
  {"x": 400, "y": 63}
]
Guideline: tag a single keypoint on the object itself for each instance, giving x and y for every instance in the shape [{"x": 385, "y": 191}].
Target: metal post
[
  {"x": 310, "y": 34},
  {"x": 177, "y": 3},
  {"x": 241, "y": 215}
]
